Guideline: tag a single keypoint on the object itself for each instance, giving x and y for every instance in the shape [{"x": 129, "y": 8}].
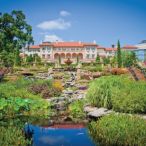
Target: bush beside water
[
  {"x": 118, "y": 93},
  {"x": 119, "y": 130}
]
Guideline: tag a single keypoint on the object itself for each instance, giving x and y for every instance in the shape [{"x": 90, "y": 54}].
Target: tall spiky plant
[{"x": 119, "y": 55}]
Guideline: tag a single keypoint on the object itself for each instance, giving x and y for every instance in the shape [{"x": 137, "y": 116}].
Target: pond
[{"x": 60, "y": 135}]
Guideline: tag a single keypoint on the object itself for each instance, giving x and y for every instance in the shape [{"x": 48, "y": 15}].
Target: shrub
[
  {"x": 37, "y": 88},
  {"x": 76, "y": 110},
  {"x": 118, "y": 71},
  {"x": 119, "y": 93},
  {"x": 131, "y": 98},
  {"x": 100, "y": 93},
  {"x": 14, "y": 106},
  {"x": 95, "y": 68},
  {"x": 119, "y": 130},
  {"x": 57, "y": 86},
  {"x": 17, "y": 88},
  {"x": 12, "y": 136}
]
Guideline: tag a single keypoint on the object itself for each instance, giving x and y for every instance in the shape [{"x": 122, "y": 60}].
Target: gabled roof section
[
  {"x": 67, "y": 44},
  {"x": 110, "y": 49},
  {"x": 34, "y": 47},
  {"x": 129, "y": 47}
]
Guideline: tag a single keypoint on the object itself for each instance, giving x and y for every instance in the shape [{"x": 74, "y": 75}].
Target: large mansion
[
  {"x": 51, "y": 52},
  {"x": 83, "y": 52}
]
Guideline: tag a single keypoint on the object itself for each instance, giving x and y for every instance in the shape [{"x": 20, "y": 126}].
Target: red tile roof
[
  {"x": 67, "y": 44},
  {"x": 129, "y": 47},
  {"x": 100, "y": 47},
  {"x": 110, "y": 49},
  {"x": 34, "y": 47}
]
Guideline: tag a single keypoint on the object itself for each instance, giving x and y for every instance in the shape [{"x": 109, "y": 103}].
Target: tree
[
  {"x": 15, "y": 33},
  {"x": 119, "y": 57},
  {"x": 29, "y": 59},
  {"x": 128, "y": 58},
  {"x": 97, "y": 58},
  {"x": 37, "y": 58},
  {"x": 17, "y": 58},
  {"x": 106, "y": 60},
  {"x": 77, "y": 60}
]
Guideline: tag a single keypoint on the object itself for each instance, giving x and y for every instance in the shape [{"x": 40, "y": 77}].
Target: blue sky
[{"x": 104, "y": 21}]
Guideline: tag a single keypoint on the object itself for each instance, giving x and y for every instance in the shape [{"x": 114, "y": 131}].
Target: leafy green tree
[
  {"x": 119, "y": 57},
  {"x": 29, "y": 59},
  {"x": 15, "y": 33},
  {"x": 106, "y": 60},
  {"x": 128, "y": 58},
  {"x": 7, "y": 59}
]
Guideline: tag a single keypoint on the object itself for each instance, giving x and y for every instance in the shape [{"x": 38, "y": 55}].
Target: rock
[
  {"x": 98, "y": 112},
  {"x": 68, "y": 92},
  {"x": 89, "y": 109}
]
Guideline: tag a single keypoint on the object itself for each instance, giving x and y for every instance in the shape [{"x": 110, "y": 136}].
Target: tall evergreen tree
[
  {"x": 119, "y": 55},
  {"x": 17, "y": 58}
]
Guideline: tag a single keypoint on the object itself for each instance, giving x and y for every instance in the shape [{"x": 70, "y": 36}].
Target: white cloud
[
  {"x": 52, "y": 38},
  {"x": 64, "y": 13},
  {"x": 54, "y": 24}
]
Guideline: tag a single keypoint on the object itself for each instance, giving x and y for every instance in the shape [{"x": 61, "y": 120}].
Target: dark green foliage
[
  {"x": 119, "y": 130},
  {"x": 76, "y": 110},
  {"x": 129, "y": 59},
  {"x": 119, "y": 56},
  {"x": 15, "y": 33},
  {"x": 98, "y": 58},
  {"x": 15, "y": 106},
  {"x": 119, "y": 93},
  {"x": 106, "y": 60},
  {"x": 29, "y": 59},
  {"x": 12, "y": 136},
  {"x": 7, "y": 59},
  {"x": 17, "y": 58}
]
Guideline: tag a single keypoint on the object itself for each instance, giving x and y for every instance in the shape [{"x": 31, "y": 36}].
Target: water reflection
[{"x": 50, "y": 136}]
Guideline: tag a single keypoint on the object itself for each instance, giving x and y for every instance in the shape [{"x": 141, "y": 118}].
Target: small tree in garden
[
  {"x": 106, "y": 60},
  {"x": 119, "y": 57},
  {"x": 36, "y": 58},
  {"x": 98, "y": 58},
  {"x": 77, "y": 59},
  {"x": 29, "y": 59},
  {"x": 129, "y": 58},
  {"x": 17, "y": 58},
  {"x": 59, "y": 59}
]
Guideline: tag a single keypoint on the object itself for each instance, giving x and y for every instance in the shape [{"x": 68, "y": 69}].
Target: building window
[
  {"x": 48, "y": 49},
  {"x": 48, "y": 56},
  {"x": 43, "y": 56},
  {"x": 93, "y": 50},
  {"x": 72, "y": 49},
  {"x": 87, "y": 49},
  {"x": 87, "y": 56},
  {"x": 93, "y": 55}
]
